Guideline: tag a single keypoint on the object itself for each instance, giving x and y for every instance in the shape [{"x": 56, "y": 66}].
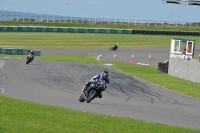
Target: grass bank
[
  {"x": 19, "y": 116},
  {"x": 84, "y": 40}
]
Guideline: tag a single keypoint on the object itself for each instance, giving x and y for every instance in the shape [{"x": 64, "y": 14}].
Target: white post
[
  {"x": 59, "y": 19},
  {"x": 29, "y": 19},
  {"x": 71, "y": 20},
  {"x": 17, "y": 18},
  {"x": 65, "y": 19},
  {"x": 11, "y": 18},
  {"x": 47, "y": 19},
  {"x": 23, "y": 18},
  {"x": 108, "y": 21},
  {"x": 53, "y": 19}
]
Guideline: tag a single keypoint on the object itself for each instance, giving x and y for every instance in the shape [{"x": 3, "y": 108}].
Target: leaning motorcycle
[
  {"x": 113, "y": 47},
  {"x": 29, "y": 58},
  {"x": 93, "y": 91}
]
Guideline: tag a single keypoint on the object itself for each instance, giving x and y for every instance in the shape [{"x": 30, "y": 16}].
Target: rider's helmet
[
  {"x": 32, "y": 51},
  {"x": 104, "y": 74},
  {"x": 117, "y": 44}
]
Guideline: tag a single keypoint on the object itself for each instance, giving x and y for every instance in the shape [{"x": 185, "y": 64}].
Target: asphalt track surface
[{"x": 59, "y": 83}]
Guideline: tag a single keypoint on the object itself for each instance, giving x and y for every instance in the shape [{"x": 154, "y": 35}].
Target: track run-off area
[{"x": 59, "y": 83}]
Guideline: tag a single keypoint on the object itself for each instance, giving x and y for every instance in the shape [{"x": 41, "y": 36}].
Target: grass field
[
  {"x": 29, "y": 117},
  {"x": 42, "y": 39}
]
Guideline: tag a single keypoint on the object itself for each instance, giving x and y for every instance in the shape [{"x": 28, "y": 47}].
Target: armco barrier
[
  {"x": 63, "y": 29},
  {"x": 94, "y": 30},
  {"x": 18, "y": 51}
]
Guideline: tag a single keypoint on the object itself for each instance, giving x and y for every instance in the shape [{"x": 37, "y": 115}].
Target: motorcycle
[
  {"x": 29, "y": 58},
  {"x": 115, "y": 47},
  {"x": 93, "y": 91}
]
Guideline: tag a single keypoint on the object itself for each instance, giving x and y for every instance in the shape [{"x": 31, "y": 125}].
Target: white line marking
[
  {"x": 2, "y": 90},
  {"x": 142, "y": 64},
  {"x": 108, "y": 64},
  {"x": 98, "y": 57}
]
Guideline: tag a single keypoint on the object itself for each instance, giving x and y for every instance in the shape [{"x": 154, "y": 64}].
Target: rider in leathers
[
  {"x": 32, "y": 53},
  {"x": 103, "y": 76}
]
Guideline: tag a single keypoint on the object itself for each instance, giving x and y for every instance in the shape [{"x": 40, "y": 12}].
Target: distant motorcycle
[
  {"x": 93, "y": 90},
  {"x": 115, "y": 47},
  {"x": 29, "y": 58}
]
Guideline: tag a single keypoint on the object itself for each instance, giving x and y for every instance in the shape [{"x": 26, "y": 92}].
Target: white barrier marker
[
  {"x": 2, "y": 90},
  {"x": 98, "y": 57}
]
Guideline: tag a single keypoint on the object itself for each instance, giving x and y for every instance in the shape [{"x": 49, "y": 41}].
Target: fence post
[
  {"x": 29, "y": 19},
  {"x": 17, "y": 18},
  {"x": 108, "y": 21},
  {"x": 23, "y": 18}
]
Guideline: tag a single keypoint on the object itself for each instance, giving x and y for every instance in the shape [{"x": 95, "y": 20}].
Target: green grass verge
[
  {"x": 83, "y": 40},
  {"x": 19, "y": 116}
]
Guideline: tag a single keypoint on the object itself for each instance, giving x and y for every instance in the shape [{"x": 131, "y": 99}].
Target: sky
[{"x": 114, "y": 9}]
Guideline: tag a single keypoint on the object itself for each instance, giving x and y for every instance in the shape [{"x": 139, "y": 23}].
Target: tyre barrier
[
  {"x": 18, "y": 51},
  {"x": 162, "y": 32},
  {"x": 94, "y": 30}
]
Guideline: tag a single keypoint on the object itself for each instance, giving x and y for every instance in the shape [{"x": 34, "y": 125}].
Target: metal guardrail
[
  {"x": 63, "y": 29},
  {"x": 93, "y": 21},
  {"x": 18, "y": 51}
]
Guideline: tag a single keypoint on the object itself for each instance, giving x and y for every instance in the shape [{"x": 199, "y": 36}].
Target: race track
[{"x": 59, "y": 83}]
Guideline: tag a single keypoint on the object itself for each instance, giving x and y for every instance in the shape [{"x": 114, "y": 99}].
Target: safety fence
[
  {"x": 34, "y": 18},
  {"x": 94, "y": 30},
  {"x": 64, "y": 29},
  {"x": 18, "y": 51}
]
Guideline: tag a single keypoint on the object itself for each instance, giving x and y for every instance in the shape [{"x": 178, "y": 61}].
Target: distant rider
[
  {"x": 102, "y": 76},
  {"x": 32, "y": 54}
]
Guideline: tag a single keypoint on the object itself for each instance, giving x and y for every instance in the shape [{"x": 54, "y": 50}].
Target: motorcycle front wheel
[
  {"x": 92, "y": 95},
  {"x": 82, "y": 98}
]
